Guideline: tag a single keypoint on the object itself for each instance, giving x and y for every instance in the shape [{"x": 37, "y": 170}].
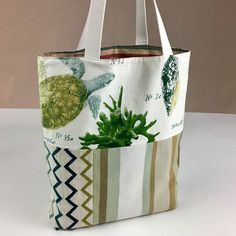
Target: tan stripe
[
  {"x": 103, "y": 185},
  {"x": 152, "y": 178},
  {"x": 178, "y": 160},
  {"x": 131, "y": 51},
  {"x": 146, "y": 179},
  {"x": 176, "y": 164},
  {"x": 96, "y": 185},
  {"x": 113, "y": 184},
  {"x": 172, "y": 181},
  {"x": 162, "y": 177}
]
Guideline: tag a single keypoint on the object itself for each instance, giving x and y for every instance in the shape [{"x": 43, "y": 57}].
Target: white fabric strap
[
  {"x": 95, "y": 29},
  {"x": 82, "y": 41},
  {"x": 141, "y": 25},
  {"x": 165, "y": 43}
]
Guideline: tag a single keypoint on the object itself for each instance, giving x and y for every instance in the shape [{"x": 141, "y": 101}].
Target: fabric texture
[
  {"x": 91, "y": 187},
  {"x": 75, "y": 90}
]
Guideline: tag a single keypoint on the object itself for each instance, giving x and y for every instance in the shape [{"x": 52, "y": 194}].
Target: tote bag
[{"x": 112, "y": 121}]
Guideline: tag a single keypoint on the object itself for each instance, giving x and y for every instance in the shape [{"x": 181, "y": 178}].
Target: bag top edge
[{"x": 113, "y": 47}]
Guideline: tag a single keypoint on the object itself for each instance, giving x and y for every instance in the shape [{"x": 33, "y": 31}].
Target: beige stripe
[
  {"x": 176, "y": 164},
  {"x": 103, "y": 185},
  {"x": 162, "y": 167},
  {"x": 173, "y": 172},
  {"x": 152, "y": 177},
  {"x": 178, "y": 158},
  {"x": 113, "y": 184},
  {"x": 96, "y": 185},
  {"x": 146, "y": 179}
]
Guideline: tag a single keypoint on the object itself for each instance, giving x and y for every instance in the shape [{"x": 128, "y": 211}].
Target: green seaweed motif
[{"x": 118, "y": 129}]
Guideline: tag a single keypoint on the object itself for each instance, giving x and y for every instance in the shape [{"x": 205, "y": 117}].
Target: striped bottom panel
[{"x": 90, "y": 187}]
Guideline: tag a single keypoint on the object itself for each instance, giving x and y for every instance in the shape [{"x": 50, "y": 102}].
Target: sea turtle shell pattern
[{"x": 62, "y": 98}]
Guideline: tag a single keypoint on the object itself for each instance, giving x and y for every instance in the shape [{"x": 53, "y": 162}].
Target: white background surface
[{"x": 207, "y": 182}]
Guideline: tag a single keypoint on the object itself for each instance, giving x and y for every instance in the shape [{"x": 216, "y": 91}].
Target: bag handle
[
  {"x": 141, "y": 25},
  {"x": 94, "y": 29}
]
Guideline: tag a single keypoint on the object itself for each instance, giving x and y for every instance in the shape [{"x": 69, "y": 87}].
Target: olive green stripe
[
  {"x": 96, "y": 185},
  {"x": 152, "y": 178},
  {"x": 113, "y": 184},
  {"x": 103, "y": 185},
  {"x": 172, "y": 180},
  {"x": 146, "y": 179}
]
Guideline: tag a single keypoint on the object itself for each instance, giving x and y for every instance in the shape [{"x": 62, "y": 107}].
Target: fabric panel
[
  {"x": 162, "y": 167},
  {"x": 113, "y": 184},
  {"x": 103, "y": 185},
  {"x": 146, "y": 179},
  {"x": 91, "y": 187},
  {"x": 131, "y": 179}
]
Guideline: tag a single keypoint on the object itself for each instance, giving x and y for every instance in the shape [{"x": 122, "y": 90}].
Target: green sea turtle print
[
  {"x": 63, "y": 97},
  {"x": 170, "y": 83}
]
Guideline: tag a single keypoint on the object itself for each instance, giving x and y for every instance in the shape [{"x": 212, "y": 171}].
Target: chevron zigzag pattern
[
  {"x": 73, "y": 189},
  {"x": 56, "y": 185},
  {"x": 47, "y": 159},
  {"x": 84, "y": 188},
  {"x": 48, "y": 154},
  {"x": 57, "y": 160}
]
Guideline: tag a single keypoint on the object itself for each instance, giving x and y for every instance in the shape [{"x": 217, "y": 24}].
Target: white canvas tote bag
[{"x": 112, "y": 121}]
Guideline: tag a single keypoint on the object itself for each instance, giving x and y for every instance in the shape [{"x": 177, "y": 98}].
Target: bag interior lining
[{"x": 116, "y": 52}]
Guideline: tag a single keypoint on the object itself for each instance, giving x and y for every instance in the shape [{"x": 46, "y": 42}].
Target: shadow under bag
[{"x": 112, "y": 122}]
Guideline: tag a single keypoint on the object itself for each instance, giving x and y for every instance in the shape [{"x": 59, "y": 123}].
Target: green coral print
[
  {"x": 120, "y": 128},
  {"x": 170, "y": 83},
  {"x": 63, "y": 97}
]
